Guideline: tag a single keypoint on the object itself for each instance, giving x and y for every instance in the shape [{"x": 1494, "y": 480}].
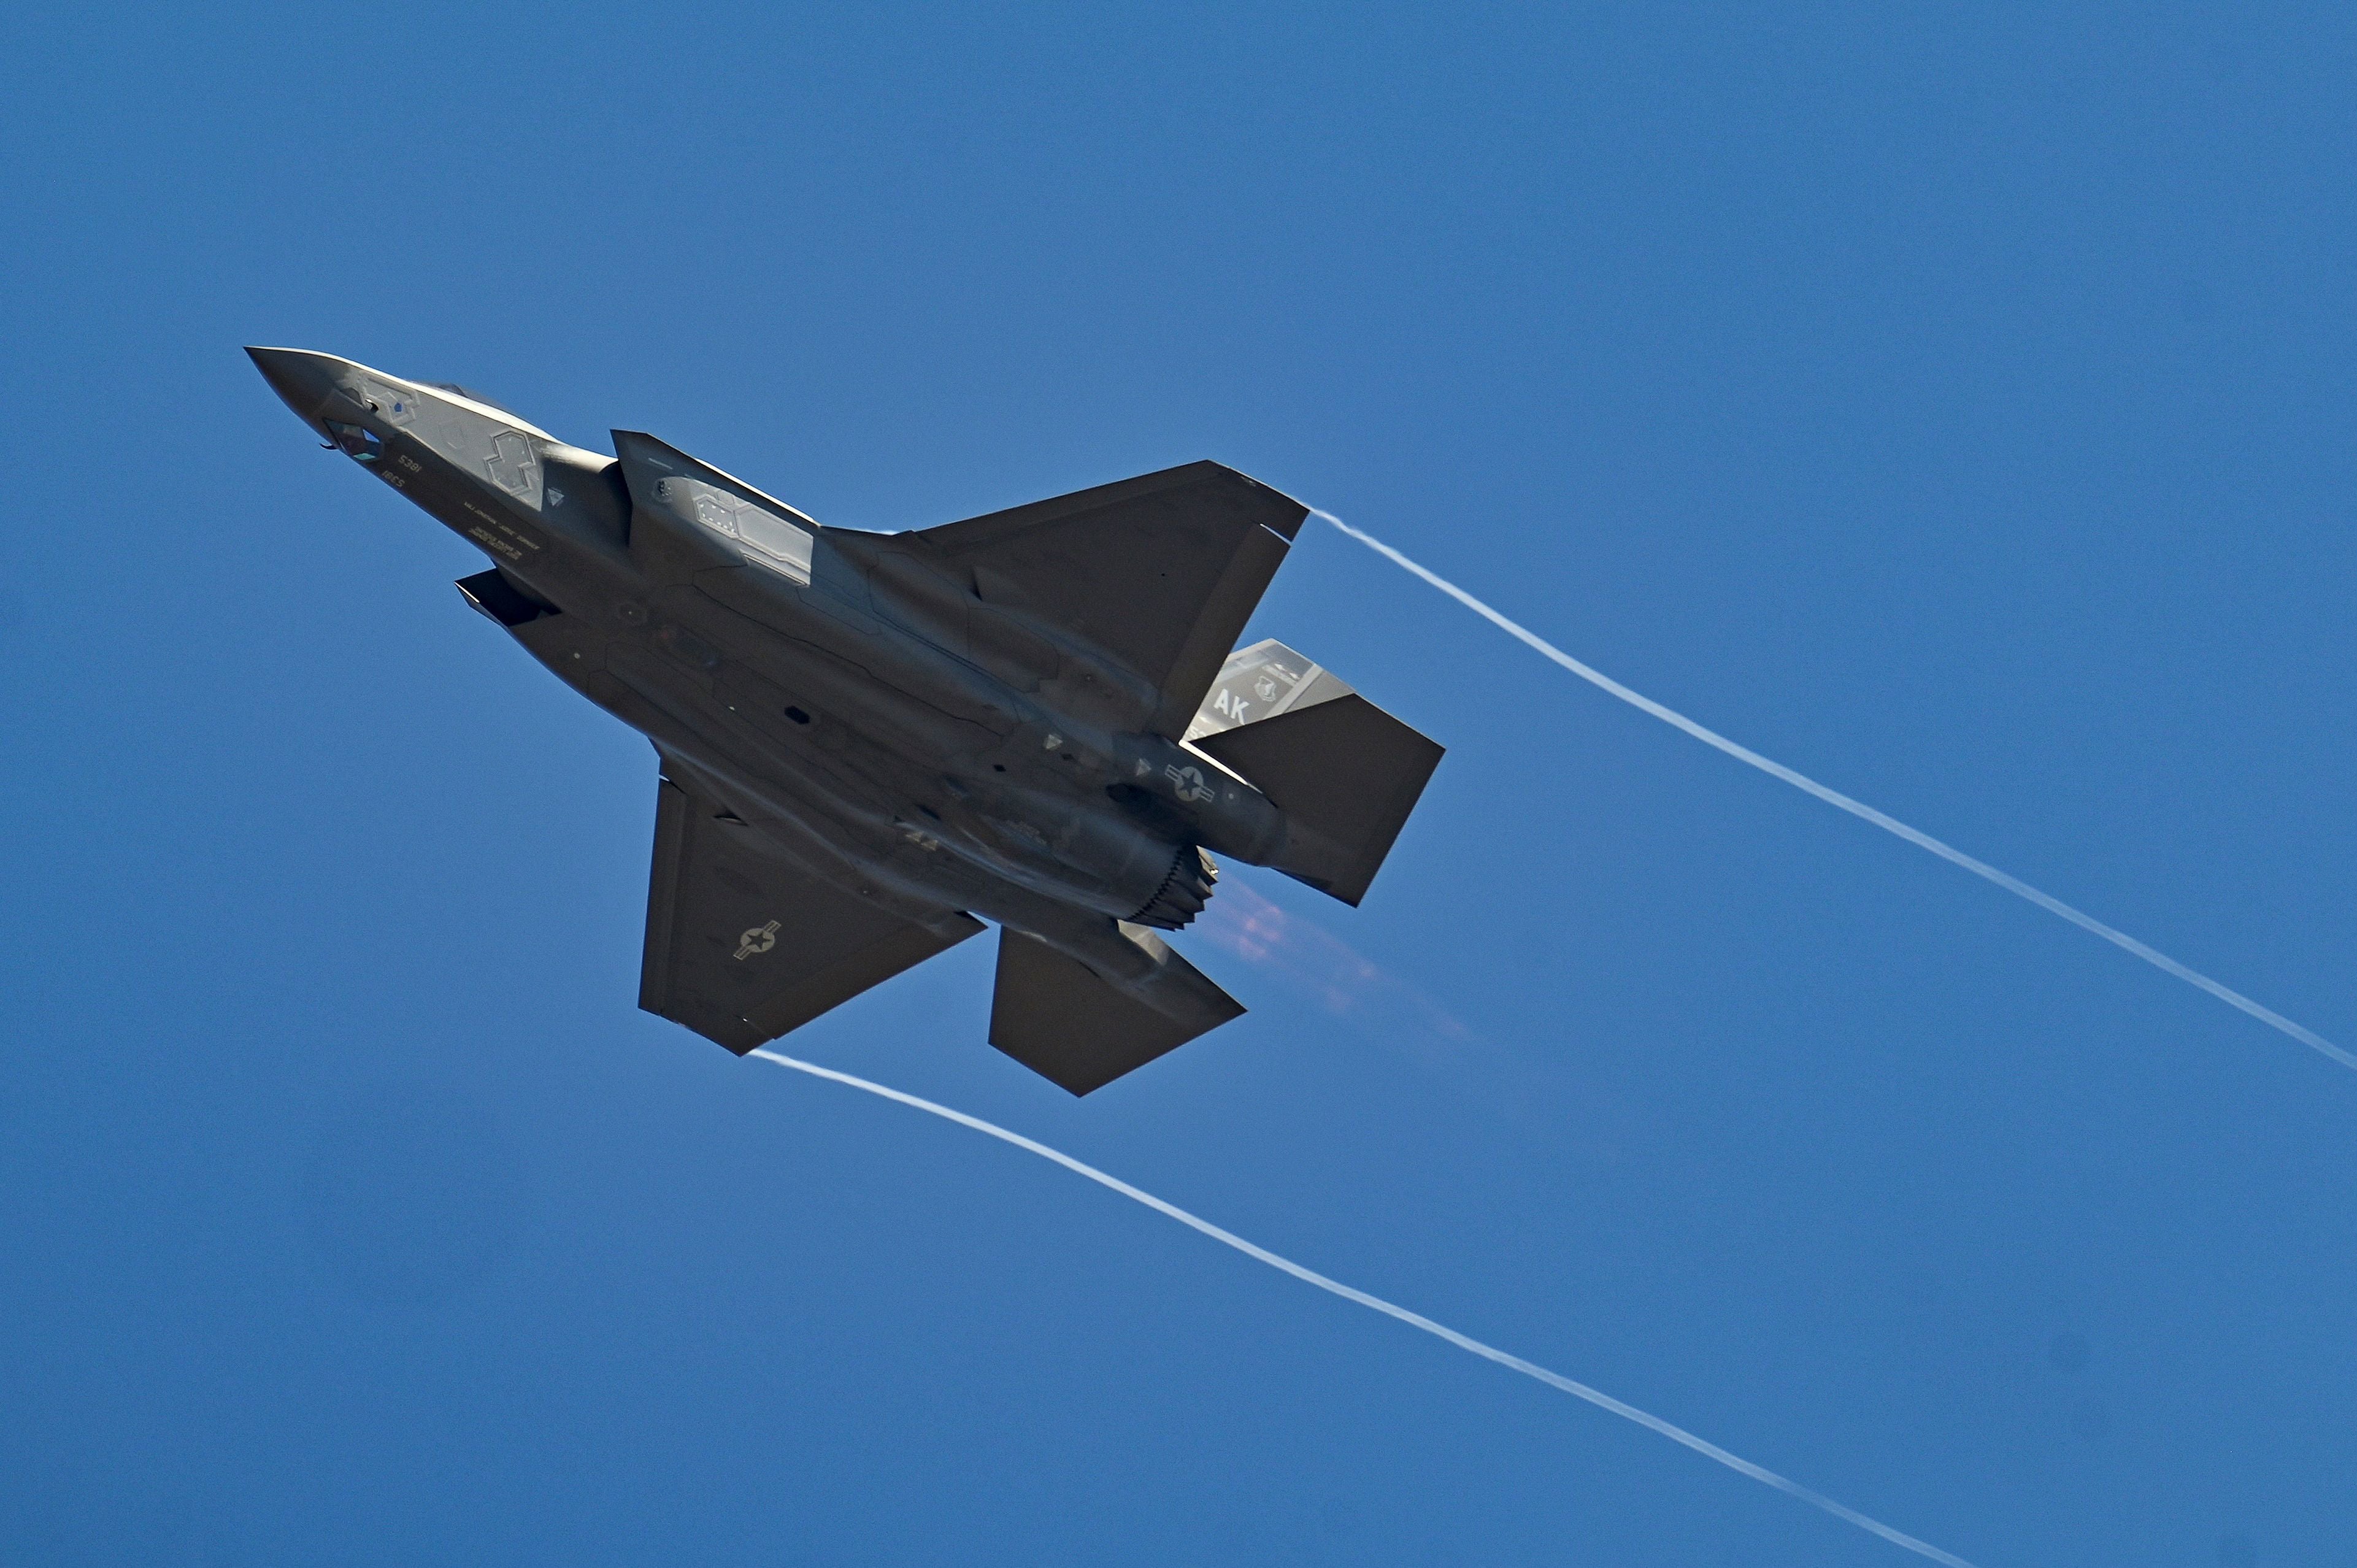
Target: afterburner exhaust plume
[
  {"x": 1311, "y": 960},
  {"x": 1415, "y": 1320},
  {"x": 1835, "y": 797}
]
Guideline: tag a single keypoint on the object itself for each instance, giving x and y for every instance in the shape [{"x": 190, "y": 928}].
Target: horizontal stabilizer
[
  {"x": 1060, "y": 1018},
  {"x": 1345, "y": 773}
]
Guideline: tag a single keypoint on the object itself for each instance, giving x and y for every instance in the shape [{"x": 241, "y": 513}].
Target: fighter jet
[{"x": 872, "y": 742}]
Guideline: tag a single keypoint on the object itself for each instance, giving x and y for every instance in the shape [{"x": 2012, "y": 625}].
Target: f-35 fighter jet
[{"x": 867, "y": 740}]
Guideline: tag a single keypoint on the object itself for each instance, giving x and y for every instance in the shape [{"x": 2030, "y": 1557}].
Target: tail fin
[{"x": 1345, "y": 773}]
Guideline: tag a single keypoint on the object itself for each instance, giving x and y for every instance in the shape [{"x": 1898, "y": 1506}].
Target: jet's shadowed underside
[{"x": 867, "y": 740}]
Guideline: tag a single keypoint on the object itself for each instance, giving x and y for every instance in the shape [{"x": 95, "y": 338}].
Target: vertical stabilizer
[{"x": 1345, "y": 773}]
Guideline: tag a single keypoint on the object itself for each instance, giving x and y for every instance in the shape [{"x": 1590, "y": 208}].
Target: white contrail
[
  {"x": 2013, "y": 885},
  {"x": 1414, "y": 1320}
]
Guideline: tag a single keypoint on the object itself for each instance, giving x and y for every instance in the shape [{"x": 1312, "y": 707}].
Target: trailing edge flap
[
  {"x": 696, "y": 501},
  {"x": 1160, "y": 572},
  {"x": 1056, "y": 1016},
  {"x": 742, "y": 946},
  {"x": 1345, "y": 773}
]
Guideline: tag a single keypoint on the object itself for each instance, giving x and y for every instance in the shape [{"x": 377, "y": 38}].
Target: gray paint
[{"x": 867, "y": 740}]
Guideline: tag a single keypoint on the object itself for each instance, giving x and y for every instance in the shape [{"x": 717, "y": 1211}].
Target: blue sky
[{"x": 1953, "y": 405}]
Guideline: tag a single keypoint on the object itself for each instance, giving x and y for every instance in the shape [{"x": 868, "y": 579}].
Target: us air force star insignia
[
  {"x": 757, "y": 938},
  {"x": 1186, "y": 783}
]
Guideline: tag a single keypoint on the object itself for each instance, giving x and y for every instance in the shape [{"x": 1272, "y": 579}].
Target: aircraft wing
[
  {"x": 742, "y": 946},
  {"x": 1160, "y": 571}
]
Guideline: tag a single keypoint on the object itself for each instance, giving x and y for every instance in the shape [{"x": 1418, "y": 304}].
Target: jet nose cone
[{"x": 304, "y": 380}]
